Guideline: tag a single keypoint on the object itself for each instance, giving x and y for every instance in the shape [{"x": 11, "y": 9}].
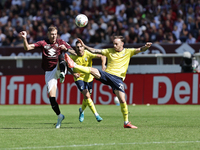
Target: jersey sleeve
[
  {"x": 132, "y": 51},
  {"x": 39, "y": 44},
  {"x": 91, "y": 54},
  {"x": 105, "y": 52}
]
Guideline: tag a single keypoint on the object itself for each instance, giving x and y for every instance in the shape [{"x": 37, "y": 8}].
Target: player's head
[
  {"x": 118, "y": 43},
  {"x": 79, "y": 48},
  {"x": 52, "y": 34}
]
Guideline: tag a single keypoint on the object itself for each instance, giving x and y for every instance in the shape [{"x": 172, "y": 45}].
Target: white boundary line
[{"x": 100, "y": 144}]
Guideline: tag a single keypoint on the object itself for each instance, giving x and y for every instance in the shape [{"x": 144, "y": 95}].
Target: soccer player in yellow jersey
[
  {"x": 114, "y": 75},
  {"x": 84, "y": 81}
]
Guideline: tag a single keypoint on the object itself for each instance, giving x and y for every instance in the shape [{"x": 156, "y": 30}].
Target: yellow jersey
[
  {"x": 117, "y": 62},
  {"x": 85, "y": 60}
]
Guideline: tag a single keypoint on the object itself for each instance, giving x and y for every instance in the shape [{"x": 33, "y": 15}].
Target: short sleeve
[
  {"x": 105, "y": 52},
  {"x": 90, "y": 54},
  {"x": 39, "y": 44},
  {"x": 132, "y": 51}
]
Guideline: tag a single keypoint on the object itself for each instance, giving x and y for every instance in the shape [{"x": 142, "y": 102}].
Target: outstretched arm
[
  {"x": 27, "y": 46},
  {"x": 143, "y": 48},
  {"x": 92, "y": 50},
  {"x": 103, "y": 61}
]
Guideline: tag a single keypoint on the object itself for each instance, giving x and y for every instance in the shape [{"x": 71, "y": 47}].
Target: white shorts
[{"x": 51, "y": 78}]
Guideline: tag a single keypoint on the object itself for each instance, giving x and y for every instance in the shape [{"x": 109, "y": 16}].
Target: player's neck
[{"x": 121, "y": 49}]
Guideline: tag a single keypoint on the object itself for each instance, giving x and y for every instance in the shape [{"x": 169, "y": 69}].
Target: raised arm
[
  {"x": 27, "y": 46},
  {"x": 143, "y": 48},
  {"x": 92, "y": 50},
  {"x": 103, "y": 61}
]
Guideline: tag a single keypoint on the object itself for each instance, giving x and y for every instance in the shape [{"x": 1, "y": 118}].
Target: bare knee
[{"x": 95, "y": 72}]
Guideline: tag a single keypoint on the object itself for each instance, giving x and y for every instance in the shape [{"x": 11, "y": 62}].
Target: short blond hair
[
  {"x": 119, "y": 37},
  {"x": 52, "y": 28}
]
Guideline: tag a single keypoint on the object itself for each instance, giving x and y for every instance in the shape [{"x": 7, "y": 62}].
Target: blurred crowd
[{"x": 139, "y": 21}]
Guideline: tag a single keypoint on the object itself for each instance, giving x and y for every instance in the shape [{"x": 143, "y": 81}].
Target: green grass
[{"x": 163, "y": 127}]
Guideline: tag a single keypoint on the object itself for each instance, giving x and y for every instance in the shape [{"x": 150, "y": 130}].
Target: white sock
[
  {"x": 126, "y": 122},
  {"x": 96, "y": 114}
]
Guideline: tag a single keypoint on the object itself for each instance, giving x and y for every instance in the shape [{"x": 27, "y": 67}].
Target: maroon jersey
[{"x": 50, "y": 52}]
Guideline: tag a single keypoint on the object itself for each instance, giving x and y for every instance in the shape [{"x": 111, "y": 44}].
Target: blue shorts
[
  {"x": 114, "y": 81},
  {"x": 84, "y": 85}
]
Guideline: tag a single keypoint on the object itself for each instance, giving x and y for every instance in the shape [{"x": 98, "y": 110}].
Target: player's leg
[
  {"x": 80, "y": 85},
  {"x": 55, "y": 106},
  {"x": 124, "y": 109},
  {"x": 51, "y": 83},
  {"x": 71, "y": 64},
  {"x": 91, "y": 105},
  {"x": 62, "y": 66}
]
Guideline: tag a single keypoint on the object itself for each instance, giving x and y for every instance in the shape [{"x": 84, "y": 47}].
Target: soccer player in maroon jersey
[{"x": 52, "y": 63}]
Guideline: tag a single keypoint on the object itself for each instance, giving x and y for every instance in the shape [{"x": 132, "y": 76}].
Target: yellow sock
[
  {"x": 82, "y": 69},
  {"x": 124, "y": 110},
  {"x": 84, "y": 104},
  {"x": 91, "y": 105}
]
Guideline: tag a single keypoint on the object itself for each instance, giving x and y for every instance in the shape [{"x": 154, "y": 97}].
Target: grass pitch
[{"x": 163, "y": 127}]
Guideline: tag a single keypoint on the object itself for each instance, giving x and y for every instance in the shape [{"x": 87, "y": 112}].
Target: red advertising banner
[{"x": 177, "y": 88}]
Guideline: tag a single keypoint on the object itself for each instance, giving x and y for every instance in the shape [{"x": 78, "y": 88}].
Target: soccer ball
[
  {"x": 81, "y": 20},
  {"x": 116, "y": 100}
]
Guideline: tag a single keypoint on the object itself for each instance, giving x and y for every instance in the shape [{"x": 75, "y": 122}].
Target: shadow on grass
[{"x": 53, "y": 126}]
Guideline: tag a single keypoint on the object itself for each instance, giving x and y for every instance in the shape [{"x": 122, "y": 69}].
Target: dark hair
[
  {"x": 119, "y": 37},
  {"x": 77, "y": 42},
  {"x": 52, "y": 28}
]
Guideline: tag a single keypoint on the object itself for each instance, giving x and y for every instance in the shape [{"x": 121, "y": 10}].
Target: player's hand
[
  {"x": 148, "y": 44},
  {"x": 76, "y": 75},
  {"x": 63, "y": 47},
  {"x": 81, "y": 42},
  {"x": 23, "y": 34}
]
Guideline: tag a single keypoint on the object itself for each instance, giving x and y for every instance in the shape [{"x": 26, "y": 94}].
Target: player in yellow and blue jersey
[
  {"x": 84, "y": 81},
  {"x": 117, "y": 64}
]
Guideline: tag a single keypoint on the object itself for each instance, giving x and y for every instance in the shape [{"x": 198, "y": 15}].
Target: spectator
[
  {"x": 122, "y": 16},
  {"x": 2, "y": 37},
  {"x": 179, "y": 23},
  {"x": 133, "y": 37},
  {"x": 163, "y": 15},
  {"x": 3, "y": 18},
  {"x": 120, "y": 7},
  {"x": 190, "y": 14},
  {"x": 16, "y": 2},
  {"x": 17, "y": 19},
  {"x": 130, "y": 13},
  {"x": 75, "y": 7},
  {"x": 190, "y": 39},
  {"x": 106, "y": 17},
  {"x": 66, "y": 35},
  {"x": 184, "y": 33},
  {"x": 153, "y": 34},
  {"x": 176, "y": 32},
  {"x": 110, "y": 8},
  {"x": 190, "y": 25}
]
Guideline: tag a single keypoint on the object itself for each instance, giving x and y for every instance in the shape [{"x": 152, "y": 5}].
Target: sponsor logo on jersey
[{"x": 52, "y": 52}]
